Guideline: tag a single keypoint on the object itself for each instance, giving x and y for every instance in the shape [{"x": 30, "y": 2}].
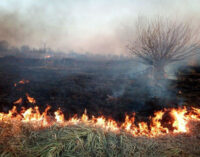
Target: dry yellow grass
[{"x": 23, "y": 140}]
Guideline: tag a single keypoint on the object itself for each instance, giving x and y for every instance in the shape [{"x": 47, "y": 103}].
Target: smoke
[
  {"x": 98, "y": 27},
  {"x": 18, "y": 30}
]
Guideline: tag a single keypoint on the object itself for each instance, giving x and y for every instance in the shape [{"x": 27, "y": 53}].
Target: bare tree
[{"x": 160, "y": 42}]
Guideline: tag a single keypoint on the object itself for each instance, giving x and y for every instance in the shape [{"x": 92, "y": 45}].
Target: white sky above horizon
[{"x": 96, "y": 26}]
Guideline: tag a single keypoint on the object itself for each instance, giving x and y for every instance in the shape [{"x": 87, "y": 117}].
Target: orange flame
[
  {"x": 19, "y": 101},
  {"x": 156, "y": 126},
  {"x": 47, "y": 56},
  {"x": 179, "y": 120},
  {"x": 30, "y": 99},
  {"x": 59, "y": 116},
  {"x": 23, "y": 81},
  {"x": 34, "y": 115}
]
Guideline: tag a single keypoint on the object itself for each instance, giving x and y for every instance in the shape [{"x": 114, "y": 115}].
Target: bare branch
[{"x": 160, "y": 42}]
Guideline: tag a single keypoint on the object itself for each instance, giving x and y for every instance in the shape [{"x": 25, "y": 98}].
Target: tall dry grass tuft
[{"x": 24, "y": 140}]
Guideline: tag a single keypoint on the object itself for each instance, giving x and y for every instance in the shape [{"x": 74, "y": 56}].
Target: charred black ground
[{"x": 101, "y": 87}]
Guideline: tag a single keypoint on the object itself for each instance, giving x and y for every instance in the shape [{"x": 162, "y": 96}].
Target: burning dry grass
[
  {"x": 22, "y": 139},
  {"x": 171, "y": 133}
]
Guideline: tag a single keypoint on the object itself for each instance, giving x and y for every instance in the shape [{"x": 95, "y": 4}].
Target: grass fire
[
  {"x": 99, "y": 78},
  {"x": 179, "y": 119},
  {"x": 24, "y": 132}
]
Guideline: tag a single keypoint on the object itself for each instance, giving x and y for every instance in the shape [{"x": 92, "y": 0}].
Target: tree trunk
[
  {"x": 158, "y": 73},
  {"x": 158, "y": 79}
]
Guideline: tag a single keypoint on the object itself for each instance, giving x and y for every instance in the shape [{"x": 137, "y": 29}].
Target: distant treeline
[{"x": 26, "y": 51}]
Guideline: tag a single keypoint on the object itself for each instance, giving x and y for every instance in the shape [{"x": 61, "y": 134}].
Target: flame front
[
  {"x": 180, "y": 118},
  {"x": 156, "y": 126}
]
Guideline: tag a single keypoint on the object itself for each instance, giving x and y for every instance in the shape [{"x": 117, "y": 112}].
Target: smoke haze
[{"x": 83, "y": 26}]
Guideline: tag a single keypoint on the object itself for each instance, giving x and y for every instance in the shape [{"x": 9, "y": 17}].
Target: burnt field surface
[{"x": 109, "y": 88}]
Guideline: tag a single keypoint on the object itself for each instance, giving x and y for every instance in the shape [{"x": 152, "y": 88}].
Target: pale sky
[{"x": 96, "y": 26}]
